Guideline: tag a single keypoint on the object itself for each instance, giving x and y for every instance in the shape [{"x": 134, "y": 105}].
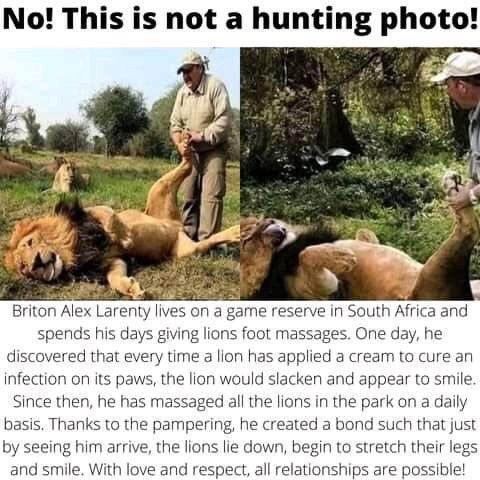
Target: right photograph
[{"x": 360, "y": 173}]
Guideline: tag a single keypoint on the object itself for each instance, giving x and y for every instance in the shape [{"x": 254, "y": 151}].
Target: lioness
[
  {"x": 67, "y": 178},
  {"x": 10, "y": 168},
  {"x": 74, "y": 240},
  {"x": 280, "y": 262}
]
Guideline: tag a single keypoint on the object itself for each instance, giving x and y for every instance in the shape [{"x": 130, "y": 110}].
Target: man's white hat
[
  {"x": 191, "y": 58},
  {"x": 459, "y": 64}
]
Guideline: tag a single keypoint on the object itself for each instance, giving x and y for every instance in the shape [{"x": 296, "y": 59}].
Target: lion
[
  {"x": 281, "y": 262},
  {"x": 67, "y": 178},
  {"x": 11, "y": 168},
  {"x": 75, "y": 241}
]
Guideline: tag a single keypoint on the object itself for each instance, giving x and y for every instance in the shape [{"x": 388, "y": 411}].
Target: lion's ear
[
  {"x": 22, "y": 228},
  {"x": 59, "y": 161}
]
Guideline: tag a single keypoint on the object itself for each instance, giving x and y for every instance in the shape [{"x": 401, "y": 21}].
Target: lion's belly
[
  {"x": 381, "y": 273},
  {"x": 152, "y": 240}
]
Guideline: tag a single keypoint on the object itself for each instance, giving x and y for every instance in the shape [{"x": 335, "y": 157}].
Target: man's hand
[
  {"x": 460, "y": 200},
  {"x": 183, "y": 146},
  {"x": 196, "y": 137}
]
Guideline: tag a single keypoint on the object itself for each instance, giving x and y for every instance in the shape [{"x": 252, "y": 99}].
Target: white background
[
  {"x": 460, "y": 335},
  {"x": 221, "y": 37}
]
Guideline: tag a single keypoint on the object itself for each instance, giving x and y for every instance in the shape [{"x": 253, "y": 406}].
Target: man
[
  {"x": 461, "y": 75},
  {"x": 202, "y": 108}
]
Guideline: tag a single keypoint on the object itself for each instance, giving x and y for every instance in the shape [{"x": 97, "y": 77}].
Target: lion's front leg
[
  {"x": 318, "y": 270},
  {"x": 119, "y": 280}
]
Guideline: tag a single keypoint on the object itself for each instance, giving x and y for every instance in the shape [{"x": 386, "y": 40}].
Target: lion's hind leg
[
  {"x": 186, "y": 246},
  {"x": 317, "y": 274},
  {"x": 445, "y": 275},
  {"x": 162, "y": 197}
]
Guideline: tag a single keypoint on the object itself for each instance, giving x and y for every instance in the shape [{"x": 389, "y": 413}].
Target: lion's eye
[{"x": 30, "y": 242}]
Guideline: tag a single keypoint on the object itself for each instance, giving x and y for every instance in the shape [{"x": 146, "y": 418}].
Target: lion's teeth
[{"x": 50, "y": 272}]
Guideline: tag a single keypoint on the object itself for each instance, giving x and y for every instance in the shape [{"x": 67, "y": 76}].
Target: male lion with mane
[
  {"x": 76, "y": 241},
  {"x": 282, "y": 262}
]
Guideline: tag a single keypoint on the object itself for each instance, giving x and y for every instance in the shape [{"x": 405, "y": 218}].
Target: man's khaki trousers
[{"x": 204, "y": 190}]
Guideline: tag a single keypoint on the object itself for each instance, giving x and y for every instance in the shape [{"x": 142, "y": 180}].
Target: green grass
[
  {"x": 121, "y": 182},
  {"x": 401, "y": 201}
]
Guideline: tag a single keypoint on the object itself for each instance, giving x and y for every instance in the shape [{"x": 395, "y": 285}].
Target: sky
[{"x": 54, "y": 82}]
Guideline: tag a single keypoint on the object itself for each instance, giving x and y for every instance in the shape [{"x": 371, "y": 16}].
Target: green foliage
[
  {"x": 119, "y": 113},
  {"x": 364, "y": 188},
  {"x": 233, "y": 153},
  {"x": 99, "y": 144},
  {"x": 402, "y": 131},
  {"x": 70, "y": 136},
  {"x": 34, "y": 138},
  {"x": 374, "y": 101},
  {"x": 146, "y": 144},
  {"x": 160, "y": 119}
]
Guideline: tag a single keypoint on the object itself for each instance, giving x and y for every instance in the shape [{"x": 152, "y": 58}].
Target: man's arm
[
  {"x": 177, "y": 127},
  {"x": 217, "y": 132}
]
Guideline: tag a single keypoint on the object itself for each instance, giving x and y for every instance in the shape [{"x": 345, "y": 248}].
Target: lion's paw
[
  {"x": 337, "y": 260},
  {"x": 233, "y": 234},
  {"x": 451, "y": 181},
  {"x": 134, "y": 290}
]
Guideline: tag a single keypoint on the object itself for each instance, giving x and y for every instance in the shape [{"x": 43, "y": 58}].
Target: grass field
[
  {"x": 120, "y": 182},
  {"x": 401, "y": 201}
]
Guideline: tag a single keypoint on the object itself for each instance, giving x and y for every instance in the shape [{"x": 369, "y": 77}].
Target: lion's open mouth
[
  {"x": 47, "y": 266},
  {"x": 277, "y": 232}
]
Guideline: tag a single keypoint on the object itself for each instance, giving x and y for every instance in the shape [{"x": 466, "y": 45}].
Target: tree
[
  {"x": 70, "y": 136},
  {"x": 34, "y": 137},
  {"x": 146, "y": 144},
  {"x": 118, "y": 113},
  {"x": 77, "y": 133},
  {"x": 9, "y": 116},
  {"x": 160, "y": 119}
]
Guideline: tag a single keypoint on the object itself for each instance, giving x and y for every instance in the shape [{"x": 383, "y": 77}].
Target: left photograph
[{"x": 119, "y": 174}]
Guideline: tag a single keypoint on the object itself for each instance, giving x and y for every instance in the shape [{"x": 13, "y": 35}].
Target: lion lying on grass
[
  {"x": 77, "y": 241},
  {"x": 11, "y": 168},
  {"x": 278, "y": 262}
]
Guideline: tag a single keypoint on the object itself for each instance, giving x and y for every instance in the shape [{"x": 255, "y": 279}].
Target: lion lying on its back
[
  {"x": 78, "y": 241},
  {"x": 279, "y": 262}
]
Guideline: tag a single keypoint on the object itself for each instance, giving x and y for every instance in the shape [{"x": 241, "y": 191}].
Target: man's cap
[
  {"x": 191, "y": 58},
  {"x": 459, "y": 64}
]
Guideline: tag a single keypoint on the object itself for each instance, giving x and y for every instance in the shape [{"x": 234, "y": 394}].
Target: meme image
[
  {"x": 372, "y": 155},
  {"x": 119, "y": 174}
]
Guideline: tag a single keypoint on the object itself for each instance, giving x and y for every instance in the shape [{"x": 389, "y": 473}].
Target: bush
[
  {"x": 363, "y": 188},
  {"x": 147, "y": 144}
]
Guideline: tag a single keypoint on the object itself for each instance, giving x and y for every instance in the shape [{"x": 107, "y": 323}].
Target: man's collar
[
  {"x": 475, "y": 113},
  {"x": 201, "y": 86}
]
